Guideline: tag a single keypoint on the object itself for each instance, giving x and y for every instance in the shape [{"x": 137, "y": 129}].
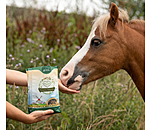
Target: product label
[{"x": 43, "y": 89}]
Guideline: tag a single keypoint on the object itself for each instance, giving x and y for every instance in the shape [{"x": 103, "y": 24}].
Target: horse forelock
[{"x": 102, "y": 21}]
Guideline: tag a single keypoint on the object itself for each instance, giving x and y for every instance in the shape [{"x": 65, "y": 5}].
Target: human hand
[
  {"x": 64, "y": 89},
  {"x": 37, "y": 116}
]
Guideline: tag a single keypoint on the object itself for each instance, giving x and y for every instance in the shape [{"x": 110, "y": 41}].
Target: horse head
[{"x": 105, "y": 51}]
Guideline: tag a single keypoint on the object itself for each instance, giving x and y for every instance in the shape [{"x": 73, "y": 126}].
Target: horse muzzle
[{"x": 76, "y": 80}]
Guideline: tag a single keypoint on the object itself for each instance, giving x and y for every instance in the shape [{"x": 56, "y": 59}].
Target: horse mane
[
  {"x": 138, "y": 25},
  {"x": 137, "y": 21},
  {"x": 102, "y": 21}
]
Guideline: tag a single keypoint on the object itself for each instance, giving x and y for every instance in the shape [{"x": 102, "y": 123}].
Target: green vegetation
[
  {"x": 135, "y": 8},
  {"x": 41, "y": 38}
]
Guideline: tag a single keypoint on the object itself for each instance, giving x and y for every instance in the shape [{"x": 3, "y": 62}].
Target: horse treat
[{"x": 43, "y": 91}]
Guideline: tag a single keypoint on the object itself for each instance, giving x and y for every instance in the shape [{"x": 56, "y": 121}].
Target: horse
[{"x": 114, "y": 43}]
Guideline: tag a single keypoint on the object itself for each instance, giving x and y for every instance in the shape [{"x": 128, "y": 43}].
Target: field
[{"x": 52, "y": 38}]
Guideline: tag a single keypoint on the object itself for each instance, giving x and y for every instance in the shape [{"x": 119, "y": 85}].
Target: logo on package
[
  {"x": 46, "y": 85},
  {"x": 46, "y": 69}
]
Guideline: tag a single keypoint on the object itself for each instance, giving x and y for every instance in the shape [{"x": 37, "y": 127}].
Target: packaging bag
[{"x": 43, "y": 91}]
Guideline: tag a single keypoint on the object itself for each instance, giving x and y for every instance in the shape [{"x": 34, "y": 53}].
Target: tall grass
[
  {"x": 109, "y": 103},
  {"x": 52, "y": 38}
]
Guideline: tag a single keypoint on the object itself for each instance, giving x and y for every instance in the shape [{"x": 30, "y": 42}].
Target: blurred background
[{"x": 50, "y": 32}]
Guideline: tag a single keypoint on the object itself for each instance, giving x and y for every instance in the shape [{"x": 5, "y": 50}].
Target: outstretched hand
[
  {"x": 14, "y": 113},
  {"x": 37, "y": 116},
  {"x": 64, "y": 89}
]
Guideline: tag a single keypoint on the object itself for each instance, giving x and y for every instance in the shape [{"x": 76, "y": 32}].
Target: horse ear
[{"x": 114, "y": 14}]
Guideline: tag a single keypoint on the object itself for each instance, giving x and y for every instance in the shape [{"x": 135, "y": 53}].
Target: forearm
[
  {"x": 16, "y": 114},
  {"x": 19, "y": 78}
]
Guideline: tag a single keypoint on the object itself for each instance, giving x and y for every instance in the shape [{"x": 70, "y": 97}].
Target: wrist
[{"x": 28, "y": 119}]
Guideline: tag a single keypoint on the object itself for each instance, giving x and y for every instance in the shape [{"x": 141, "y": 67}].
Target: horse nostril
[
  {"x": 65, "y": 73},
  {"x": 65, "y": 76}
]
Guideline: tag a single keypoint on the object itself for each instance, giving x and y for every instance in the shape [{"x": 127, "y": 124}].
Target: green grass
[{"x": 110, "y": 103}]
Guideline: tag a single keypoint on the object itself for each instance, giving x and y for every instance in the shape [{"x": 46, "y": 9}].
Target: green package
[{"x": 43, "y": 91}]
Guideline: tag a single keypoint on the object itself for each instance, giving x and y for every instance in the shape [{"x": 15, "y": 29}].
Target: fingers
[
  {"x": 48, "y": 112},
  {"x": 64, "y": 89},
  {"x": 69, "y": 91},
  {"x": 45, "y": 114},
  {"x": 41, "y": 115},
  {"x": 43, "y": 118}
]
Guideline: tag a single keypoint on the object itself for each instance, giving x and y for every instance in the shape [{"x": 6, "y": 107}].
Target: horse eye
[{"x": 96, "y": 42}]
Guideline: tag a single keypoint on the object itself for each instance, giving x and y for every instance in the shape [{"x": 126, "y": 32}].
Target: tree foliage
[{"x": 135, "y": 8}]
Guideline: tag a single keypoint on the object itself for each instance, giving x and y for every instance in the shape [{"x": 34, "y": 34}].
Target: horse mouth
[
  {"x": 74, "y": 84},
  {"x": 77, "y": 80}
]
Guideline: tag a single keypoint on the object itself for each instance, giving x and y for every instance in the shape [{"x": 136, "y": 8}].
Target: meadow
[{"x": 39, "y": 38}]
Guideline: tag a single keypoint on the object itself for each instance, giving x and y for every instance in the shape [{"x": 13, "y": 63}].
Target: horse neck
[
  {"x": 135, "y": 61},
  {"x": 137, "y": 25}
]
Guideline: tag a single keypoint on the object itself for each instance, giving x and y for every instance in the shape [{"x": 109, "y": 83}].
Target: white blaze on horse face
[
  {"x": 70, "y": 66},
  {"x": 82, "y": 52}
]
